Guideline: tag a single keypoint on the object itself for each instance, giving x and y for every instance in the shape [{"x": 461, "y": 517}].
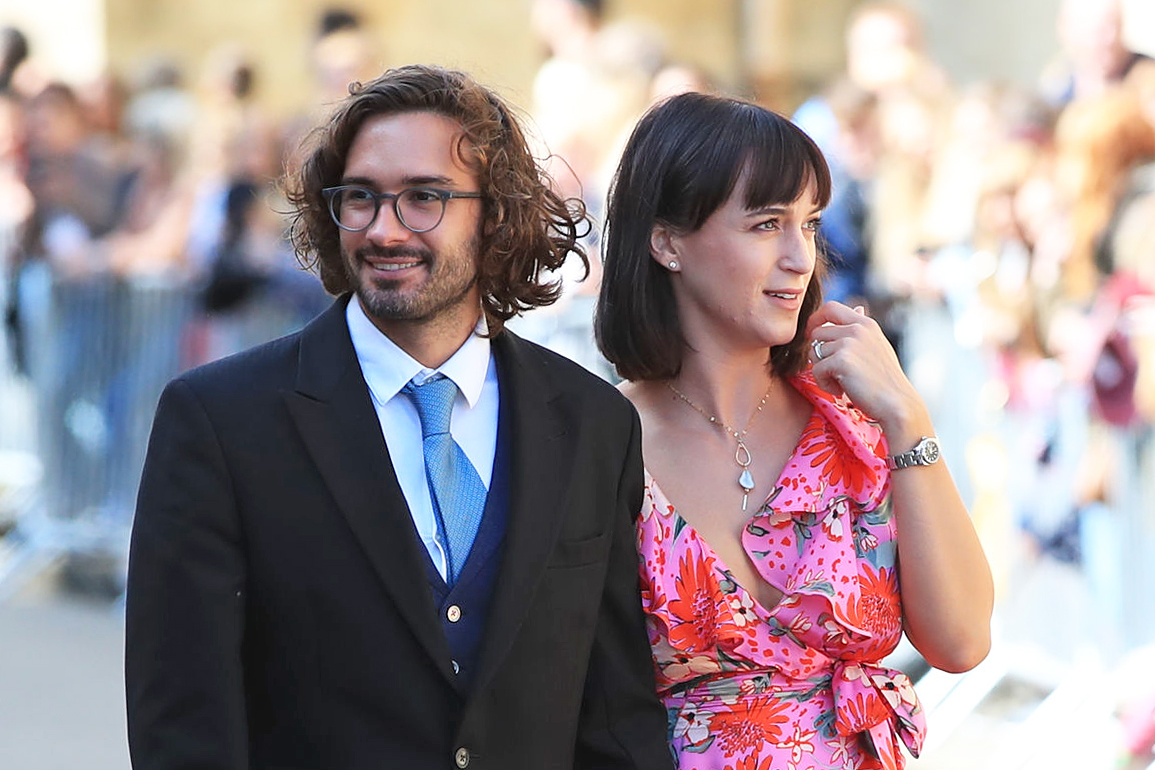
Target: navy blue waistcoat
[{"x": 464, "y": 609}]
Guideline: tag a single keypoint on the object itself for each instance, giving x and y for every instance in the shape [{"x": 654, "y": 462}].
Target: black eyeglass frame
[{"x": 329, "y": 193}]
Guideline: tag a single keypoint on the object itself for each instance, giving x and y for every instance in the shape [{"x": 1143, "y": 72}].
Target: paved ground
[{"x": 61, "y": 690}]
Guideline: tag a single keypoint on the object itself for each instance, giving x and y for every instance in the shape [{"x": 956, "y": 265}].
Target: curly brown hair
[{"x": 527, "y": 228}]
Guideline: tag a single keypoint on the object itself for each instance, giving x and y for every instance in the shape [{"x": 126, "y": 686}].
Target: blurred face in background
[
  {"x": 340, "y": 58},
  {"x": 56, "y": 122},
  {"x": 881, "y": 49},
  {"x": 1091, "y": 32}
]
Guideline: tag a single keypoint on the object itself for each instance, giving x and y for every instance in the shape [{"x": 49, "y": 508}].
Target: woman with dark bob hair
[{"x": 797, "y": 465}]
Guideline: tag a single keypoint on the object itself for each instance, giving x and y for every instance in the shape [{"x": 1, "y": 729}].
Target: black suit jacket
[{"x": 278, "y": 614}]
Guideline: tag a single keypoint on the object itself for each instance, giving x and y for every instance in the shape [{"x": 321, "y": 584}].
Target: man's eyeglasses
[{"x": 418, "y": 209}]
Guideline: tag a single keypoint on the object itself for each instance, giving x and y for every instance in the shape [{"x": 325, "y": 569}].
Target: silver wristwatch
[{"x": 925, "y": 452}]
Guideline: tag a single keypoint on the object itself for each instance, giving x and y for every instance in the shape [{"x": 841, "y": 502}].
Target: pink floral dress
[{"x": 798, "y": 685}]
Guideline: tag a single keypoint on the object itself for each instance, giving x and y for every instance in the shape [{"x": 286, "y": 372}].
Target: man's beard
[{"x": 449, "y": 280}]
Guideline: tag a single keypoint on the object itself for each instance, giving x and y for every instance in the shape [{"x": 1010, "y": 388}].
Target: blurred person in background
[
  {"x": 592, "y": 88},
  {"x": 1093, "y": 52},
  {"x": 845, "y": 226},
  {"x": 882, "y": 140},
  {"x": 772, "y": 601},
  {"x": 232, "y": 142},
  {"x": 13, "y": 53},
  {"x": 586, "y": 97},
  {"x": 161, "y": 103},
  {"x": 396, "y": 536},
  {"x": 16, "y": 205},
  {"x": 342, "y": 54},
  {"x": 1128, "y": 247},
  {"x": 1098, "y": 318},
  {"x": 1102, "y": 141},
  {"x": 1103, "y": 144},
  {"x": 564, "y": 92},
  {"x": 251, "y": 288},
  {"x": 76, "y": 179}
]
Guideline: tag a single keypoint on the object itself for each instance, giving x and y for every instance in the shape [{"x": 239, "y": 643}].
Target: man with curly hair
[{"x": 401, "y": 537}]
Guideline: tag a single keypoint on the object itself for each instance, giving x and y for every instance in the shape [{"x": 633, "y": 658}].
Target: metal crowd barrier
[
  {"x": 20, "y": 467},
  {"x": 99, "y": 350}
]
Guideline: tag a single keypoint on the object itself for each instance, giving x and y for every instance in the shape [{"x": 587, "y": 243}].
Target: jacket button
[
  {"x": 461, "y": 757},
  {"x": 453, "y": 613},
  {"x": 456, "y": 667}
]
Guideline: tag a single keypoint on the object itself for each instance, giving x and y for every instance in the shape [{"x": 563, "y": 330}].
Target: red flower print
[
  {"x": 752, "y": 763},
  {"x": 749, "y": 724},
  {"x": 698, "y": 622},
  {"x": 837, "y": 463},
  {"x": 863, "y": 711},
  {"x": 876, "y": 609}
]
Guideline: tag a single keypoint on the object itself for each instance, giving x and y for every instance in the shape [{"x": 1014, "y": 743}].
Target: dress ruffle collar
[{"x": 835, "y": 475}]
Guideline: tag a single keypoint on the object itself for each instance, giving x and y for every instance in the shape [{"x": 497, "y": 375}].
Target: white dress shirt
[{"x": 387, "y": 368}]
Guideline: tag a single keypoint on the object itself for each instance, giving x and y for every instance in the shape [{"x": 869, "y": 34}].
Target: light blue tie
[{"x": 457, "y": 492}]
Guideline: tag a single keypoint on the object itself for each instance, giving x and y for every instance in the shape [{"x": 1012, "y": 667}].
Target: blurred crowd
[{"x": 1003, "y": 233}]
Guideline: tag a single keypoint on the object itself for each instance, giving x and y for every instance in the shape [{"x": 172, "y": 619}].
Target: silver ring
[{"x": 817, "y": 346}]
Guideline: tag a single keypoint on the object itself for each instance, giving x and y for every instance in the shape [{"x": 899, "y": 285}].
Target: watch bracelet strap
[
  {"x": 909, "y": 458},
  {"x": 900, "y": 461}
]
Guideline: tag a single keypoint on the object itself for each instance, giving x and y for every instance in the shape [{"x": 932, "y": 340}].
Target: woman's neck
[{"x": 728, "y": 387}]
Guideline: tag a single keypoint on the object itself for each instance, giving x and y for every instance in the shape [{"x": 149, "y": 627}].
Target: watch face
[{"x": 929, "y": 451}]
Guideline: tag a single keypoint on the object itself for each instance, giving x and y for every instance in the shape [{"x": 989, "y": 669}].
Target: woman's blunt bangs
[
  {"x": 781, "y": 161},
  {"x": 705, "y": 165}
]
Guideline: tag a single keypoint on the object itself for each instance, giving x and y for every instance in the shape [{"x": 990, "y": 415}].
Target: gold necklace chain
[{"x": 742, "y": 452}]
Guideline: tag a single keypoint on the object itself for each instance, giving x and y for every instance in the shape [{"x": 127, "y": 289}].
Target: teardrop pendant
[{"x": 746, "y": 480}]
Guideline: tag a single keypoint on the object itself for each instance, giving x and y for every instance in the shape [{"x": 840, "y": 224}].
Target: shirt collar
[{"x": 387, "y": 367}]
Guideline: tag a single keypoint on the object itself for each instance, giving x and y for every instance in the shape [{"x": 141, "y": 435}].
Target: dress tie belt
[{"x": 881, "y": 702}]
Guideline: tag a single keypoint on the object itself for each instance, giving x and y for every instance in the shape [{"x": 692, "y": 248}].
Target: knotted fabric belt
[{"x": 881, "y": 702}]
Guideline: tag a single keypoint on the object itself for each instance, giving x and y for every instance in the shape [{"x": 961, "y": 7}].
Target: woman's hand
[{"x": 851, "y": 355}]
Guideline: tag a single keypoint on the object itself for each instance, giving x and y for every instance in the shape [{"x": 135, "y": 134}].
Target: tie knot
[{"x": 434, "y": 402}]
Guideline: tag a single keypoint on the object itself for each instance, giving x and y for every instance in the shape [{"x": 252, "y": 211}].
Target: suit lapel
[
  {"x": 336, "y": 419},
  {"x": 540, "y": 459}
]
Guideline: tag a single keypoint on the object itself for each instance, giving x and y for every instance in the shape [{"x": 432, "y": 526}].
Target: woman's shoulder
[{"x": 643, "y": 394}]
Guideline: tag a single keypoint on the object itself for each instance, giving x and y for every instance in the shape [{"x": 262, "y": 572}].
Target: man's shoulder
[
  {"x": 564, "y": 375},
  {"x": 560, "y": 370},
  {"x": 268, "y": 367},
  {"x": 275, "y": 365}
]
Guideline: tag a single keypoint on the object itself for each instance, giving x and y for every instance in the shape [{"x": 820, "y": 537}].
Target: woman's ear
[{"x": 664, "y": 247}]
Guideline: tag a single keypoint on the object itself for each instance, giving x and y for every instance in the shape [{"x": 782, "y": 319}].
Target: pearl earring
[{"x": 673, "y": 264}]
